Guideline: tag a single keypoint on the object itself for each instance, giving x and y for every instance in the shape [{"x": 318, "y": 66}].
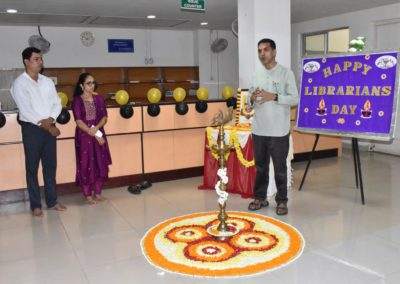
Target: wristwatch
[{"x": 276, "y": 97}]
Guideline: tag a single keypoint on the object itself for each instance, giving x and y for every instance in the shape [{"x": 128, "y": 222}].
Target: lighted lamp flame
[
  {"x": 321, "y": 104},
  {"x": 367, "y": 105}
]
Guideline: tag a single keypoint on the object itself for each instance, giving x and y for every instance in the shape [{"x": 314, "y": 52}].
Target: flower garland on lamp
[
  {"x": 223, "y": 178},
  {"x": 233, "y": 141}
]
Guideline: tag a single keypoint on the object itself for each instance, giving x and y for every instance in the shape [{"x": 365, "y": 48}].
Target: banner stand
[
  {"x": 309, "y": 161},
  {"x": 357, "y": 166}
]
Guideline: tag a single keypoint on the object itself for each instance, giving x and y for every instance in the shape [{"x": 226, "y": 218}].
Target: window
[{"x": 332, "y": 41}]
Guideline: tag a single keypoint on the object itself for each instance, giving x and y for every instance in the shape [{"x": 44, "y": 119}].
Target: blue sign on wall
[{"x": 120, "y": 45}]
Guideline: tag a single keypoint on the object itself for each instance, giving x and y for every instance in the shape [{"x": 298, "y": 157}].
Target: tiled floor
[{"x": 345, "y": 241}]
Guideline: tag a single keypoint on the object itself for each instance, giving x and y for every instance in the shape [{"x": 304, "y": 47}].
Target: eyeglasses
[{"x": 91, "y": 83}]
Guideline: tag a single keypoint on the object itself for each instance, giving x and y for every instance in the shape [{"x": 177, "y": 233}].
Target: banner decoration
[{"x": 352, "y": 95}]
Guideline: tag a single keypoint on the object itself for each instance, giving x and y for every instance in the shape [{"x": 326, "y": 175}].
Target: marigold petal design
[
  {"x": 253, "y": 240},
  {"x": 187, "y": 234},
  {"x": 182, "y": 245},
  {"x": 209, "y": 251}
]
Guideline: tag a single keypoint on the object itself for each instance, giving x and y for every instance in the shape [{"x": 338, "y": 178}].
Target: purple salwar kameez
[{"x": 92, "y": 159}]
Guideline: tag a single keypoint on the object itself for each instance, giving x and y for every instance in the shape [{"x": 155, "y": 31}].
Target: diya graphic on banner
[{"x": 351, "y": 95}]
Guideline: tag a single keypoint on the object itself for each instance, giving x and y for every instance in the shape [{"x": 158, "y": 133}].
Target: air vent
[{"x": 136, "y": 22}]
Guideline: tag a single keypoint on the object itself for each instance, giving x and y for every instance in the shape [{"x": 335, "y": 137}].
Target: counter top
[{"x": 111, "y": 103}]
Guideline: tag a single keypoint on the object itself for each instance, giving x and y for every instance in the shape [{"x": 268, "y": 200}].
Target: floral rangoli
[{"x": 183, "y": 245}]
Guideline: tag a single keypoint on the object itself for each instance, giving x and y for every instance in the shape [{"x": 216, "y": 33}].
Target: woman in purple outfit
[{"x": 92, "y": 152}]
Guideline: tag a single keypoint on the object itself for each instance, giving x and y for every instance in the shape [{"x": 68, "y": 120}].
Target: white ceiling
[{"x": 132, "y": 13}]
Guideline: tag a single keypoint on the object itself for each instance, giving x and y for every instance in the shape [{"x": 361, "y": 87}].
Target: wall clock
[{"x": 87, "y": 38}]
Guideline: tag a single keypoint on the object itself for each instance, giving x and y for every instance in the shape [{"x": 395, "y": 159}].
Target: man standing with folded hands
[{"x": 38, "y": 106}]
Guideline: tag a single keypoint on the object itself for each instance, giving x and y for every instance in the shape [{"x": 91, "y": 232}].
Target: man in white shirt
[
  {"x": 38, "y": 107},
  {"x": 275, "y": 91}
]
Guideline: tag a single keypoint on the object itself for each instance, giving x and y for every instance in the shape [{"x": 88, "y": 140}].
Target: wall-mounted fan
[
  {"x": 235, "y": 27},
  {"x": 39, "y": 42},
  {"x": 219, "y": 45}
]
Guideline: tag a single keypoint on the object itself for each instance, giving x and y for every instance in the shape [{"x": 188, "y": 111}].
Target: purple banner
[{"x": 350, "y": 95}]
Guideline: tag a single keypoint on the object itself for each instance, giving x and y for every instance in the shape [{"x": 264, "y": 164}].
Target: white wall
[
  {"x": 255, "y": 25},
  {"x": 168, "y": 48},
  {"x": 217, "y": 69},
  {"x": 361, "y": 23},
  {"x": 247, "y": 43}
]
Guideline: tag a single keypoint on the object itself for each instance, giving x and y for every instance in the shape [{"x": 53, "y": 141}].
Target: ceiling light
[
  {"x": 151, "y": 16},
  {"x": 12, "y": 11},
  {"x": 203, "y": 23}
]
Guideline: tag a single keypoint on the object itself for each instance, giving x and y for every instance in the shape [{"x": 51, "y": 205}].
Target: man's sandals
[
  {"x": 282, "y": 209},
  {"x": 257, "y": 204}
]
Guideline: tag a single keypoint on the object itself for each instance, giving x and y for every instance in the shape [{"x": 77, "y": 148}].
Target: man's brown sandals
[{"x": 257, "y": 204}]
